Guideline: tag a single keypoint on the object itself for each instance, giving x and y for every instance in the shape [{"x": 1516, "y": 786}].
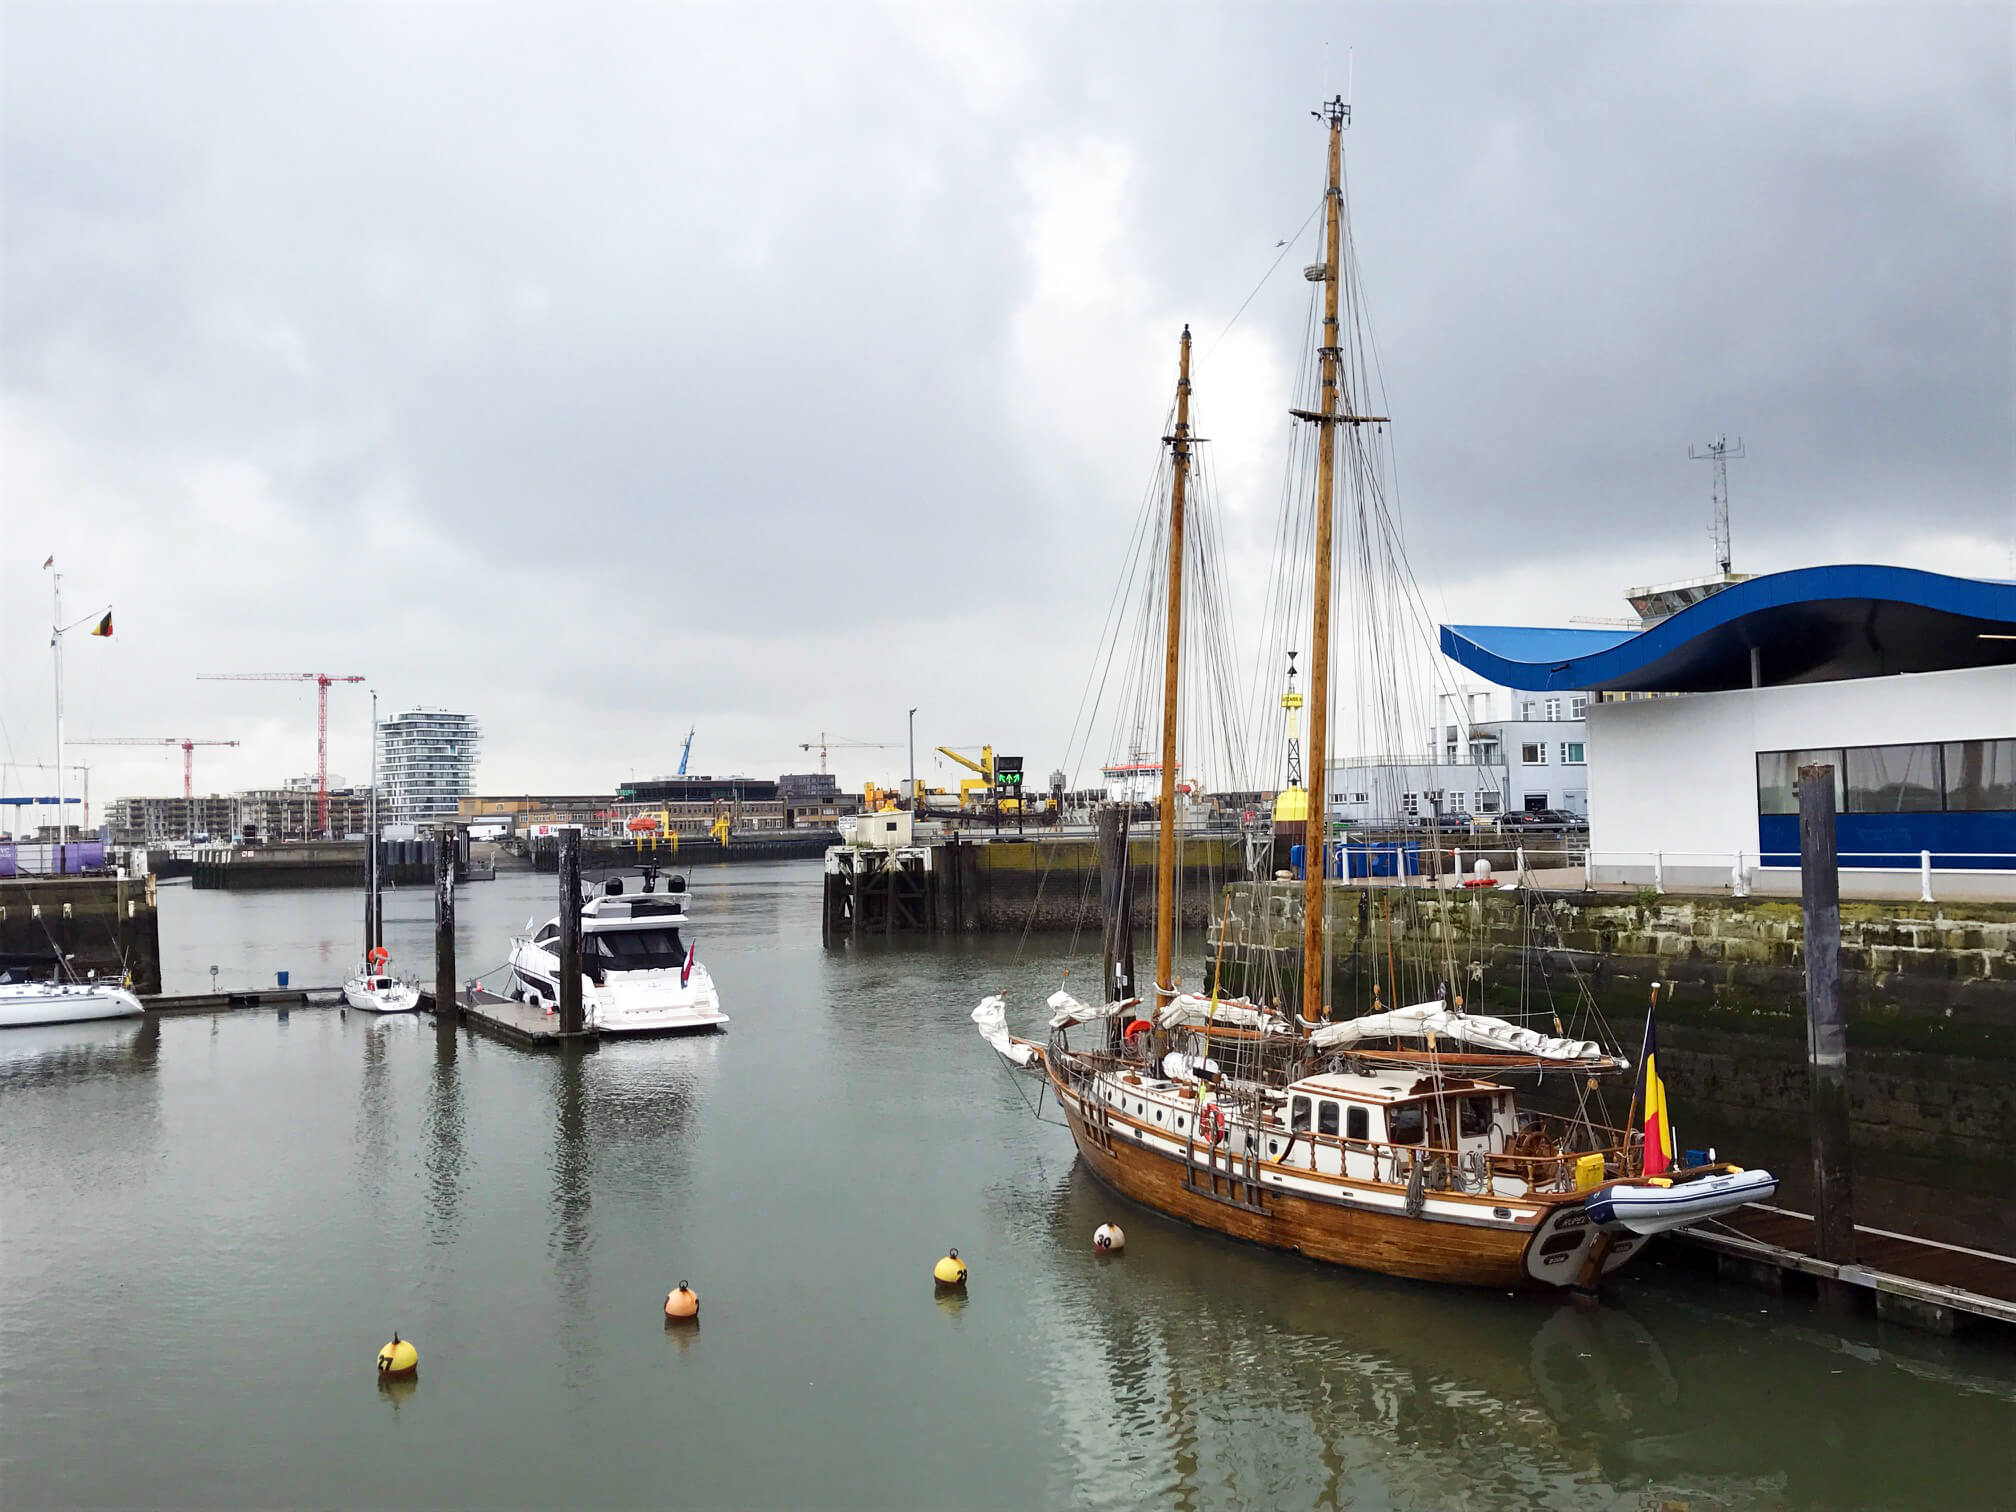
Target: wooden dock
[
  {"x": 507, "y": 1019},
  {"x": 259, "y": 997},
  {"x": 1920, "y": 1282}
]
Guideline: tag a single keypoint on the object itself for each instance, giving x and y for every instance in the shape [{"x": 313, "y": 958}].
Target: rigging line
[{"x": 1286, "y": 247}]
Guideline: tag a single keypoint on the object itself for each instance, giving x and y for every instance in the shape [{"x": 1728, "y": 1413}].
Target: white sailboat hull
[
  {"x": 380, "y": 995},
  {"x": 25, "y": 1003}
]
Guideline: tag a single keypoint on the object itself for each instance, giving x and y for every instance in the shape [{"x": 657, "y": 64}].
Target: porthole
[
  {"x": 1182, "y": 1125},
  {"x": 1158, "y": 1115},
  {"x": 1273, "y": 1148}
]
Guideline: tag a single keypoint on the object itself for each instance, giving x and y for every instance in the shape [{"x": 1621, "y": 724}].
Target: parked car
[{"x": 1542, "y": 821}]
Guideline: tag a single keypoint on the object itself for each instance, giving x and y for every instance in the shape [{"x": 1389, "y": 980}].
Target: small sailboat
[
  {"x": 375, "y": 990},
  {"x": 25, "y": 1003},
  {"x": 1395, "y": 1140}
]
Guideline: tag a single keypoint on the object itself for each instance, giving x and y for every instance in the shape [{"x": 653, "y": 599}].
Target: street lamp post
[{"x": 913, "y": 761}]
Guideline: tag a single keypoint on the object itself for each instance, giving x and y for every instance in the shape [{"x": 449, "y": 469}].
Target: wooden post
[
  {"x": 572, "y": 1020},
  {"x": 447, "y": 993},
  {"x": 1826, "y": 1035}
]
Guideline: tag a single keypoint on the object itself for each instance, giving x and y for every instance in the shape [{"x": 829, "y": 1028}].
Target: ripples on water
[{"x": 207, "y": 1227}]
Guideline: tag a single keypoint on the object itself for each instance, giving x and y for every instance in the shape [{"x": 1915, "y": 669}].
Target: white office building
[{"x": 426, "y": 765}]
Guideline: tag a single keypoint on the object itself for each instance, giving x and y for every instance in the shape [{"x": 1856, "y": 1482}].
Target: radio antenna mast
[{"x": 1719, "y": 451}]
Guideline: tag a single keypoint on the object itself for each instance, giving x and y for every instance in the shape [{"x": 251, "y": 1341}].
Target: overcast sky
[{"x": 605, "y": 370}]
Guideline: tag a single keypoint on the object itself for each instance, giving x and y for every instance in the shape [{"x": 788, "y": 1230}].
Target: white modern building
[
  {"x": 426, "y": 765},
  {"x": 1904, "y": 682}
]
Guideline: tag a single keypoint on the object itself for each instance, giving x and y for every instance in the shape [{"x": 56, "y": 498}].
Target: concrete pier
[{"x": 96, "y": 926}]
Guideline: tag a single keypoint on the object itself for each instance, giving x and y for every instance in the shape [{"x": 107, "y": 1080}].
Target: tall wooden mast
[
  {"x": 1336, "y": 112},
  {"x": 1165, "y": 850}
]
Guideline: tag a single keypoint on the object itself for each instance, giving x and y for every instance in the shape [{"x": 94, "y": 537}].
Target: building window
[
  {"x": 1778, "y": 779},
  {"x": 1525, "y": 708},
  {"x": 1980, "y": 774},
  {"x": 1894, "y": 779},
  {"x": 1410, "y": 803},
  {"x": 1534, "y": 803},
  {"x": 1487, "y": 803},
  {"x": 1553, "y": 710},
  {"x": 1533, "y": 753},
  {"x": 1571, "y": 753},
  {"x": 1578, "y": 708}
]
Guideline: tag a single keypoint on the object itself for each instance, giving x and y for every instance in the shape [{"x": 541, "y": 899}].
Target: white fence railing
[{"x": 1743, "y": 869}]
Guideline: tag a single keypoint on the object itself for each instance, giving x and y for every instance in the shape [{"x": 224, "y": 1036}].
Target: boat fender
[
  {"x": 682, "y": 1304},
  {"x": 951, "y": 1271},
  {"x": 1108, "y": 1240},
  {"x": 1138, "y": 1026},
  {"x": 398, "y": 1358}
]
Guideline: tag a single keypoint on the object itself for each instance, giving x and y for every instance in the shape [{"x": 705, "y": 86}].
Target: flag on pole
[
  {"x": 686, "y": 971},
  {"x": 1652, "y": 1092},
  {"x": 50, "y": 563},
  {"x": 104, "y": 626}
]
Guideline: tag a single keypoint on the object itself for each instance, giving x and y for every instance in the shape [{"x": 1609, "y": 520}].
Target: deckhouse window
[
  {"x": 1357, "y": 1124},
  {"x": 1407, "y": 1123},
  {"x": 1326, "y": 1117},
  {"x": 1473, "y": 1117},
  {"x": 1298, "y": 1114}
]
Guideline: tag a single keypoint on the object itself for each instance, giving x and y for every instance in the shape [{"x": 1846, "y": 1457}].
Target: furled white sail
[
  {"x": 1189, "y": 1008},
  {"x": 992, "y": 1017},
  {"x": 1067, "y": 1010},
  {"x": 1476, "y": 1030}
]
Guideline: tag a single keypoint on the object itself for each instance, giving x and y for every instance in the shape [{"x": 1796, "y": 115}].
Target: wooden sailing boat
[{"x": 1391, "y": 1142}]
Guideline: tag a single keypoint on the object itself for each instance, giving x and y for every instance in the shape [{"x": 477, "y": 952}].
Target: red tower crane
[
  {"x": 188, "y": 752},
  {"x": 321, "y": 681}
]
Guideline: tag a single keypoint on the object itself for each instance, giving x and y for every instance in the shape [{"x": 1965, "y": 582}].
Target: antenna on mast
[{"x": 1719, "y": 451}]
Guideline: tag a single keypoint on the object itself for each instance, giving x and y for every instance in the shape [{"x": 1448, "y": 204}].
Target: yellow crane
[{"x": 976, "y": 793}]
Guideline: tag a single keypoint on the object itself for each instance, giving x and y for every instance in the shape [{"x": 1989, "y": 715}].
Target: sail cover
[
  {"x": 1067, "y": 1010},
  {"x": 1191, "y": 1008},
  {"x": 992, "y": 1017},
  {"x": 1476, "y": 1030}
]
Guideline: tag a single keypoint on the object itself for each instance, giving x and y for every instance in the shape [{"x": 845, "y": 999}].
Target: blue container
[
  {"x": 282, "y": 977},
  {"x": 1297, "y": 856}
]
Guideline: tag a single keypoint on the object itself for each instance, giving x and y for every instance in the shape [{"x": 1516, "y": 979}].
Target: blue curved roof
[{"x": 1813, "y": 624}]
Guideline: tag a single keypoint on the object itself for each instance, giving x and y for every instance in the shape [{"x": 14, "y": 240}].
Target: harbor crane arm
[
  {"x": 321, "y": 681},
  {"x": 188, "y": 752},
  {"x": 824, "y": 743},
  {"x": 984, "y": 766},
  {"x": 686, "y": 750}
]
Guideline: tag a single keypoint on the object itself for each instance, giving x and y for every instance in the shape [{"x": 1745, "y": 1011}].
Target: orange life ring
[
  {"x": 1213, "y": 1120},
  {"x": 1139, "y": 1026},
  {"x": 377, "y": 957}
]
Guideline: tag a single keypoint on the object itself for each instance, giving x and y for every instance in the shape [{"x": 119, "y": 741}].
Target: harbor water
[{"x": 209, "y": 1225}]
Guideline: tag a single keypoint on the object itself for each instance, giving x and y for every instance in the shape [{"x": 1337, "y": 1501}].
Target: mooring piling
[
  {"x": 571, "y": 1017},
  {"x": 1826, "y": 1034},
  {"x": 447, "y": 994}
]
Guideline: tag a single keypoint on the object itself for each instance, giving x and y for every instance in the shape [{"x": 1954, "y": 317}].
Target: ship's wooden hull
[{"x": 1390, "y": 1244}]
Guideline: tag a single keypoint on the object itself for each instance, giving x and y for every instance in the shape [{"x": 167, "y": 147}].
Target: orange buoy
[{"x": 682, "y": 1304}]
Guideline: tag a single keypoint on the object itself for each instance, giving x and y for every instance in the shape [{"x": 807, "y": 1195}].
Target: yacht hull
[
  {"x": 1556, "y": 1246},
  {"x": 40, "y": 1003}
]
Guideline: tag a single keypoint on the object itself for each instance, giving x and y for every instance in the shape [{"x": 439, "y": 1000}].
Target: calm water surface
[{"x": 209, "y": 1225}]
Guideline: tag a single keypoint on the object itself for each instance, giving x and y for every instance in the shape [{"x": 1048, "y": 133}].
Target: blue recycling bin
[{"x": 283, "y": 977}]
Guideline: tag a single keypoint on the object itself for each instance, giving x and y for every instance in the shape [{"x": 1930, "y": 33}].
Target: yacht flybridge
[{"x": 639, "y": 975}]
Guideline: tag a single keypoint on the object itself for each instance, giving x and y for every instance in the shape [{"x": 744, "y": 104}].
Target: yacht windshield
[{"x": 635, "y": 949}]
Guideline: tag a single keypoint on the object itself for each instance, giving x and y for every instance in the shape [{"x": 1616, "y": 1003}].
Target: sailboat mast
[
  {"x": 1336, "y": 112},
  {"x": 1165, "y": 850}
]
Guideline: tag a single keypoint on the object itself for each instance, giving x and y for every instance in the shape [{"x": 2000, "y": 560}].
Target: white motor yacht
[
  {"x": 25, "y": 1003},
  {"x": 638, "y": 975}
]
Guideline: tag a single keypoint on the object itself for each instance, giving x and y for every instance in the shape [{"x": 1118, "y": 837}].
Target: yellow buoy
[
  {"x": 682, "y": 1303},
  {"x": 951, "y": 1271},
  {"x": 398, "y": 1358},
  {"x": 1108, "y": 1239}
]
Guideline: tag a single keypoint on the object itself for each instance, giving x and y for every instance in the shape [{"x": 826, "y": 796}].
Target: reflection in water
[
  {"x": 374, "y": 1136},
  {"x": 443, "y": 1139},
  {"x": 398, "y": 1389},
  {"x": 572, "y": 1235}
]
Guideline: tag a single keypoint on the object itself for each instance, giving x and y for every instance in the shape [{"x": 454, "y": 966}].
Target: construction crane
[
  {"x": 685, "y": 751},
  {"x": 975, "y": 792},
  {"x": 837, "y": 743},
  {"x": 321, "y": 681},
  {"x": 188, "y": 752}
]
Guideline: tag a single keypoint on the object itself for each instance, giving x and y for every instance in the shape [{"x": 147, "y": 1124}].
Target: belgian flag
[
  {"x": 104, "y": 626},
  {"x": 1657, "y": 1125}
]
